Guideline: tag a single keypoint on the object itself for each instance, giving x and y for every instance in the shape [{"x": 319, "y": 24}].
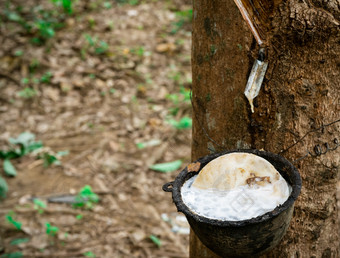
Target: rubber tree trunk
[{"x": 297, "y": 101}]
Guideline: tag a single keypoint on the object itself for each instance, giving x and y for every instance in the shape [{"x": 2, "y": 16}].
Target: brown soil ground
[{"x": 98, "y": 107}]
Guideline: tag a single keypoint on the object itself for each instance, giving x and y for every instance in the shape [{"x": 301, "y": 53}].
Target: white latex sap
[{"x": 257, "y": 196}]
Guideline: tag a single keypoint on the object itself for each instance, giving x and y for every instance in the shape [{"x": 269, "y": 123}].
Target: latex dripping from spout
[{"x": 255, "y": 78}]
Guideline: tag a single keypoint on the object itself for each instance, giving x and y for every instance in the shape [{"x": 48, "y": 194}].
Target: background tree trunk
[{"x": 299, "y": 96}]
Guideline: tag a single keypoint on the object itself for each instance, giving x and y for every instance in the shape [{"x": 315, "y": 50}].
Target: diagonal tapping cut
[{"x": 257, "y": 15}]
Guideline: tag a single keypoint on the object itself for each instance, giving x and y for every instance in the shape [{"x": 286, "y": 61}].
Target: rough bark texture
[{"x": 300, "y": 94}]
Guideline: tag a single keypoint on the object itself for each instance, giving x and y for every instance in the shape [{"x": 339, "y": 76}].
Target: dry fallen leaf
[
  {"x": 100, "y": 84},
  {"x": 154, "y": 122},
  {"x": 165, "y": 47},
  {"x": 51, "y": 93},
  {"x": 194, "y": 167}
]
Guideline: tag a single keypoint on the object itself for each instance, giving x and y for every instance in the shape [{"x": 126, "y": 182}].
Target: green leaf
[
  {"x": 25, "y": 81},
  {"x": 184, "y": 123},
  {"x": 12, "y": 154},
  {"x": 24, "y": 139},
  {"x": 79, "y": 216},
  {"x": 50, "y": 159},
  {"x": 36, "y": 41},
  {"x": 11, "y": 220},
  {"x": 186, "y": 93},
  {"x": 90, "y": 40},
  {"x": 63, "y": 153},
  {"x": 174, "y": 111},
  {"x": 19, "y": 241},
  {"x": 51, "y": 230},
  {"x": 67, "y": 5},
  {"x": 150, "y": 143},
  {"x": 156, "y": 240},
  {"x": 33, "y": 146},
  {"x": 46, "y": 77},
  {"x": 39, "y": 205},
  {"x": 133, "y": 2},
  {"x": 9, "y": 168},
  {"x": 107, "y": 5},
  {"x": 167, "y": 167},
  {"x": 47, "y": 32},
  {"x": 18, "y": 52},
  {"x": 173, "y": 97},
  {"x": 12, "y": 16},
  {"x": 3, "y": 187},
  {"x": 3, "y": 154},
  {"x": 102, "y": 48},
  {"x": 12, "y": 255},
  {"x": 27, "y": 145},
  {"x": 89, "y": 254},
  {"x": 86, "y": 198}
]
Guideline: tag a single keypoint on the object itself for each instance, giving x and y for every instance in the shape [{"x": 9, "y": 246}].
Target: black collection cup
[{"x": 246, "y": 238}]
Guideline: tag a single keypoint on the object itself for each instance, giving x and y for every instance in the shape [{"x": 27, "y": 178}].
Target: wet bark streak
[{"x": 300, "y": 93}]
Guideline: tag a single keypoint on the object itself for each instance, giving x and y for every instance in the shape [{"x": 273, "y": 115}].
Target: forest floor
[{"x": 110, "y": 88}]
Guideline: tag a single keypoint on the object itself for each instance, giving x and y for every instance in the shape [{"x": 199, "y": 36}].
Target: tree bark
[{"x": 298, "y": 99}]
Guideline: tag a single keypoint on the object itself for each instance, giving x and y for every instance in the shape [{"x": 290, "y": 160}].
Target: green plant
[
  {"x": 184, "y": 123},
  {"x": 20, "y": 146},
  {"x": 92, "y": 22},
  {"x": 41, "y": 23},
  {"x": 98, "y": 46},
  {"x": 51, "y": 158},
  {"x": 177, "y": 98},
  {"x": 3, "y": 187},
  {"x": 13, "y": 16},
  {"x": 175, "y": 76},
  {"x": 153, "y": 142},
  {"x": 9, "y": 168},
  {"x": 156, "y": 240},
  {"x": 130, "y": 2},
  {"x": 39, "y": 205},
  {"x": 10, "y": 219},
  {"x": 19, "y": 241},
  {"x": 133, "y": 2},
  {"x": 186, "y": 94},
  {"x": 26, "y": 142},
  {"x": 167, "y": 167},
  {"x": 139, "y": 51},
  {"x": 34, "y": 65},
  {"x": 19, "y": 52},
  {"x": 86, "y": 198},
  {"x": 27, "y": 93},
  {"x": 51, "y": 230},
  {"x": 45, "y": 29},
  {"x": 89, "y": 254},
  {"x": 183, "y": 18},
  {"x": 79, "y": 216},
  {"x": 101, "y": 48},
  {"x": 107, "y": 5},
  {"x": 25, "y": 80},
  {"x": 12, "y": 255},
  {"x": 46, "y": 77},
  {"x": 66, "y": 4}
]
